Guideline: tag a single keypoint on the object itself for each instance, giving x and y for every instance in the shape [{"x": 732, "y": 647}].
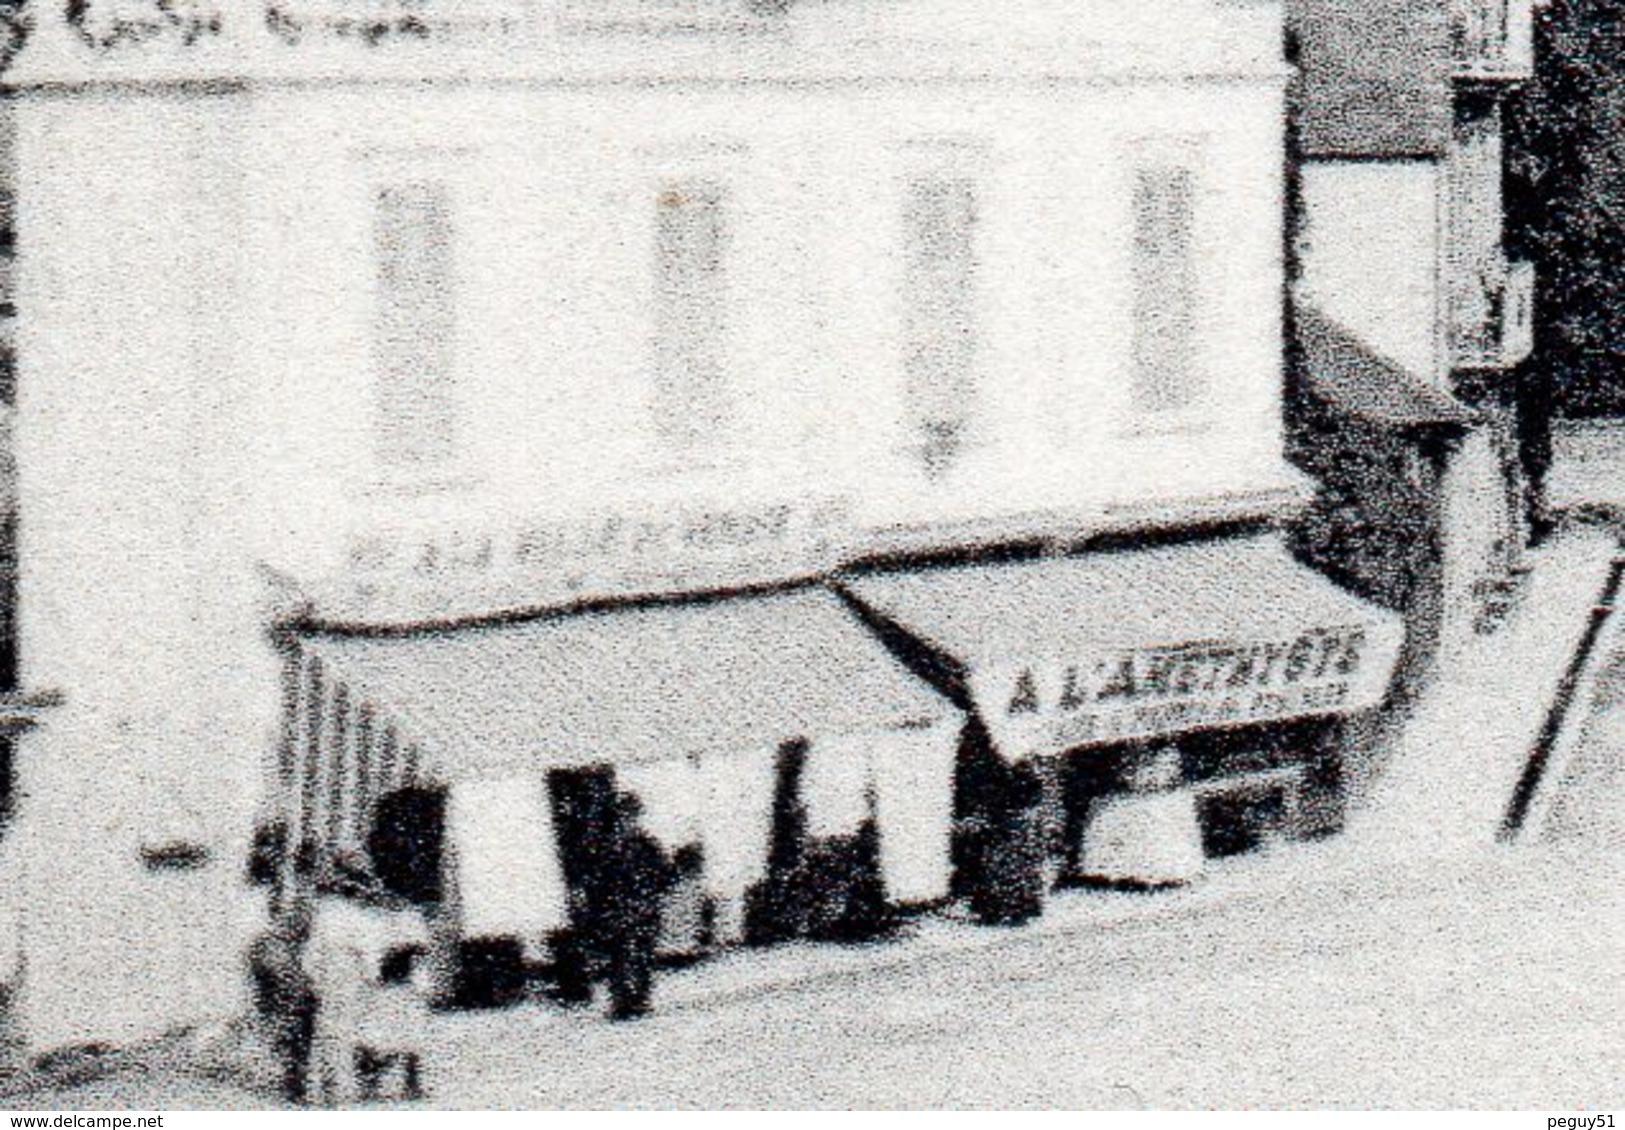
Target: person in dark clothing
[
  {"x": 584, "y": 813},
  {"x": 639, "y": 875},
  {"x": 1010, "y": 890},
  {"x": 778, "y": 905},
  {"x": 285, "y": 997}
]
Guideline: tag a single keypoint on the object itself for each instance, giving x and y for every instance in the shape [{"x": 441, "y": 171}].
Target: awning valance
[
  {"x": 629, "y": 685},
  {"x": 1088, "y": 650}
]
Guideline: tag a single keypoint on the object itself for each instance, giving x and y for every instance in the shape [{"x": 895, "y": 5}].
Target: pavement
[
  {"x": 1306, "y": 978},
  {"x": 1496, "y": 982},
  {"x": 1588, "y": 804},
  {"x": 1456, "y": 759}
]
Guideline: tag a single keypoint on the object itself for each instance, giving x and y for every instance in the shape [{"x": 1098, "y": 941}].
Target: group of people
[
  {"x": 349, "y": 967},
  {"x": 342, "y": 983},
  {"x": 360, "y": 947}
]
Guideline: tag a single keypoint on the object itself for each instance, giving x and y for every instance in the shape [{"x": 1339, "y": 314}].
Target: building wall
[
  {"x": 198, "y": 407},
  {"x": 553, "y": 376},
  {"x": 131, "y": 406},
  {"x": 1373, "y": 77},
  {"x": 1403, "y": 253},
  {"x": 1369, "y": 247}
]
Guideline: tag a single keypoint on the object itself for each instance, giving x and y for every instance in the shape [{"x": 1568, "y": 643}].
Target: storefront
[
  {"x": 1111, "y": 692},
  {"x": 791, "y": 777}
]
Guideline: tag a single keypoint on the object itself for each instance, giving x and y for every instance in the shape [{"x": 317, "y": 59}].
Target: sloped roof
[
  {"x": 1341, "y": 370},
  {"x": 1374, "y": 77}
]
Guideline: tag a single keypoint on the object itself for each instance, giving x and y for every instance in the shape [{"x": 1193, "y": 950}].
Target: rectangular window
[
  {"x": 690, "y": 377},
  {"x": 940, "y": 325},
  {"x": 415, "y": 325},
  {"x": 1164, "y": 283}
]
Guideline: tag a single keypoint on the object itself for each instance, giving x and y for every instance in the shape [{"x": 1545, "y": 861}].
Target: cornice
[{"x": 65, "y": 44}]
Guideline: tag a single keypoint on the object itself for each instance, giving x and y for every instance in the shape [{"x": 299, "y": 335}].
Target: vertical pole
[
  {"x": 309, "y": 751},
  {"x": 365, "y": 793},
  {"x": 288, "y": 783},
  {"x": 336, "y": 761}
]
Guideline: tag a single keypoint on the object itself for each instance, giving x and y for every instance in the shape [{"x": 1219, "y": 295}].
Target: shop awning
[
  {"x": 1342, "y": 371},
  {"x": 629, "y": 685},
  {"x": 1107, "y": 647}
]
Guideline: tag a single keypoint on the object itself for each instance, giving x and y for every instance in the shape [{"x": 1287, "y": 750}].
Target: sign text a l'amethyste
[{"x": 1132, "y": 693}]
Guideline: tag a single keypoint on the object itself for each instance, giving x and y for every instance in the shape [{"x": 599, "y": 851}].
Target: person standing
[
  {"x": 584, "y": 815},
  {"x": 355, "y": 928},
  {"x": 285, "y": 997},
  {"x": 1010, "y": 888},
  {"x": 639, "y": 876}
]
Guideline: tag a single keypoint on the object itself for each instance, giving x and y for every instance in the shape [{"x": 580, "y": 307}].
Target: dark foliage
[{"x": 1566, "y": 203}]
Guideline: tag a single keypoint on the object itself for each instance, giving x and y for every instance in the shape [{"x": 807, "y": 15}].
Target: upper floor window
[
  {"x": 940, "y": 330},
  {"x": 1164, "y": 288},
  {"x": 414, "y": 329},
  {"x": 690, "y": 394}
]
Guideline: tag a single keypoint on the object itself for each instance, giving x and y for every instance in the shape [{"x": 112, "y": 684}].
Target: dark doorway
[{"x": 407, "y": 842}]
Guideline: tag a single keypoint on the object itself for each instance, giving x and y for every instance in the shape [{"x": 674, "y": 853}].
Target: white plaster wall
[
  {"x": 1370, "y": 255},
  {"x": 555, "y": 271},
  {"x": 132, "y": 597}
]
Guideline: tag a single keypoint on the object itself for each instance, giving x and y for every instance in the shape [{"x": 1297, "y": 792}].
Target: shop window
[
  {"x": 414, "y": 325},
  {"x": 1246, "y": 819},
  {"x": 406, "y": 843},
  {"x": 1164, "y": 287},
  {"x": 940, "y": 330},
  {"x": 690, "y": 362}
]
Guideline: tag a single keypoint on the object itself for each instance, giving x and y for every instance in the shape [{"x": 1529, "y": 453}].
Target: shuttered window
[
  {"x": 690, "y": 394},
  {"x": 1164, "y": 288},
  {"x": 415, "y": 325},
  {"x": 940, "y": 328}
]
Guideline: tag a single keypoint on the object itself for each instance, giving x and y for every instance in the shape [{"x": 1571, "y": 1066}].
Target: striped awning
[
  {"x": 628, "y": 686},
  {"x": 689, "y": 704}
]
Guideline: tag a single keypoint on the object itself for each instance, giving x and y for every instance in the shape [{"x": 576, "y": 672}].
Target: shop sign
[
  {"x": 405, "y": 575},
  {"x": 1150, "y": 692}
]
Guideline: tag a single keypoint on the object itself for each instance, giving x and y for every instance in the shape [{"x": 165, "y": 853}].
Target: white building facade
[{"x": 349, "y": 332}]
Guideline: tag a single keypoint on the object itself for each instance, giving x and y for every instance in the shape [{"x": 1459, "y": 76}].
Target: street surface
[
  {"x": 1497, "y": 982},
  {"x": 1492, "y": 981}
]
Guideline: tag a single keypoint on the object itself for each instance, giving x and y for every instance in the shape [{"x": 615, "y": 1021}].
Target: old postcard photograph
[{"x": 812, "y": 554}]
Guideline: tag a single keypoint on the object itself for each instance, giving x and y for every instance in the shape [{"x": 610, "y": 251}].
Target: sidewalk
[
  {"x": 170, "y": 1075},
  {"x": 1262, "y": 880},
  {"x": 1305, "y": 980},
  {"x": 1459, "y": 755},
  {"x": 1310, "y": 975},
  {"x": 1588, "y": 795}
]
